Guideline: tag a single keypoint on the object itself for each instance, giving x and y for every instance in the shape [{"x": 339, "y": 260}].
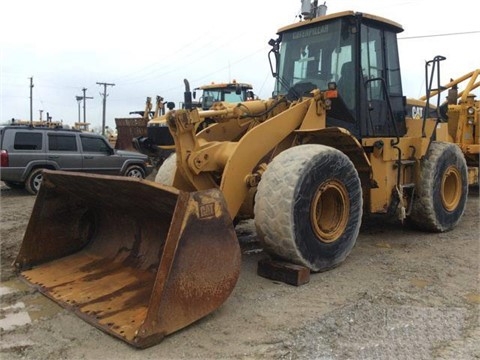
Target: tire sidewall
[
  {"x": 34, "y": 176},
  {"x": 283, "y": 204},
  {"x": 428, "y": 212},
  {"x": 135, "y": 168},
  {"x": 448, "y": 219},
  {"x": 166, "y": 172},
  {"x": 337, "y": 168},
  {"x": 15, "y": 184}
]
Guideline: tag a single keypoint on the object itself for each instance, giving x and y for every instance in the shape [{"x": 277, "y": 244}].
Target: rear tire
[
  {"x": 135, "y": 171},
  {"x": 308, "y": 206},
  {"x": 166, "y": 172},
  {"x": 441, "y": 194},
  {"x": 34, "y": 181},
  {"x": 15, "y": 184}
]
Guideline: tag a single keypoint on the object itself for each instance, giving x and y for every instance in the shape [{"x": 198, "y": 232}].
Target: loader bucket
[{"x": 134, "y": 258}]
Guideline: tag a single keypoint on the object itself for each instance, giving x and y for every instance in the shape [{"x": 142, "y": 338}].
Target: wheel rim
[
  {"x": 451, "y": 188},
  {"x": 329, "y": 211},
  {"x": 135, "y": 173},
  {"x": 37, "y": 181}
]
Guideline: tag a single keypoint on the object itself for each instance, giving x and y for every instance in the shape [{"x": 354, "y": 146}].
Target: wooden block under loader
[{"x": 288, "y": 273}]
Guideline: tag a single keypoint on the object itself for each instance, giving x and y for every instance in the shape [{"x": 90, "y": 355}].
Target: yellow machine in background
[
  {"x": 132, "y": 131},
  {"x": 462, "y": 113},
  {"x": 141, "y": 260}
]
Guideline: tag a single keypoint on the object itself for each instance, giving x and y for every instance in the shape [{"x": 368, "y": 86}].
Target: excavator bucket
[{"x": 134, "y": 258}]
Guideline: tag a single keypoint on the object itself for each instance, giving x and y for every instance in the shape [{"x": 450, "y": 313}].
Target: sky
[{"x": 147, "y": 48}]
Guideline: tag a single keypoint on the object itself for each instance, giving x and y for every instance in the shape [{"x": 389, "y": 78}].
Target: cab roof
[
  {"x": 231, "y": 85},
  {"x": 392, "y": 25}
]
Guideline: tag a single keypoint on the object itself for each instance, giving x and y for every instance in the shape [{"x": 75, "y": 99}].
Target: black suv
[{"x": 26, "y": 151}]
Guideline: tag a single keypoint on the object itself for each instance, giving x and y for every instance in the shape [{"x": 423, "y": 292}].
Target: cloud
[{"x": 148, "y": 47}]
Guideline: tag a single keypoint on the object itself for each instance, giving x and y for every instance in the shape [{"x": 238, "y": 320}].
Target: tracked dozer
[{"x": 141, "y": 259}]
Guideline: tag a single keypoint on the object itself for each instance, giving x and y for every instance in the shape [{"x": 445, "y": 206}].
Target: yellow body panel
[{"x": 141, "y": 272}]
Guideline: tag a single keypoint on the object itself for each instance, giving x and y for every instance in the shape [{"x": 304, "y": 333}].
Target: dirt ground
[{"x": 401, "y": 294}]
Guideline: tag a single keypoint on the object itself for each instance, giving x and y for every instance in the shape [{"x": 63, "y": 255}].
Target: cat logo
[{"x": 417, "y": 112}]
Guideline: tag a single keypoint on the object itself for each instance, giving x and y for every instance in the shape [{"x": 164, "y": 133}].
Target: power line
[
  {"x": 191, "y": 57},
  {"x": 438, "y": 35}
]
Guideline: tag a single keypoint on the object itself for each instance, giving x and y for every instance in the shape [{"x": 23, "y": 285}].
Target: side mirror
[{"x": 275, "y": 51}]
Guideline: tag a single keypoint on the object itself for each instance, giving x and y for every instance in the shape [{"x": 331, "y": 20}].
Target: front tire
[
  {"x": 308, "y": 206},
  {"x": 34, "y": 181},
  {"x": 135, "y": 171},
  {"x": 441, "y": 195},
  {"x": 15, "y": 184},
  {"x": 166, "y": 172}
]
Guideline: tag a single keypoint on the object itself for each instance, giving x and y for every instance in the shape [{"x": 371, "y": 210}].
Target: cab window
[{"x": 27, "y": 141}]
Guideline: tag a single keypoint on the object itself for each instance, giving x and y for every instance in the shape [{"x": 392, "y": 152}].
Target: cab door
[{"x": 383, "y": 104}]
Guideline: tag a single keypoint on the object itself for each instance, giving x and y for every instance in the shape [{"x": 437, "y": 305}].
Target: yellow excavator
[{"x": 141, "y": 259}]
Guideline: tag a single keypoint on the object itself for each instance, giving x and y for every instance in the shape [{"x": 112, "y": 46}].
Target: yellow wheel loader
[
  {"x": 141, "y": 260},
  {"x": 460, "y": 110},
  {"x": 158, "y": 145}
]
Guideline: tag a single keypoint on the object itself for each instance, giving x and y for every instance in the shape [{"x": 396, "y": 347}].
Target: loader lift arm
[{"x": 238, "y": 158}]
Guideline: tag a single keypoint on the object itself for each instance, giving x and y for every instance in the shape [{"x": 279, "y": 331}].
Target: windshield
[
  {"x": 314, "y": 55},
  {"x": 228, "y": 95},
  {"x": 224, "y": 95}
]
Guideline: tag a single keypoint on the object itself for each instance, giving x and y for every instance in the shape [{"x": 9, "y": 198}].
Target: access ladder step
[
  {"x": 288, "y": 273},
  {"x": 408, "y": 186},
  {"x": 405, "y": 163}
]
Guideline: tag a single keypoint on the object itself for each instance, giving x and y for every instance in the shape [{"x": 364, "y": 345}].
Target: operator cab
[
  {"x": 356, "y": 51},
  {"x": 227, "y": 92}
]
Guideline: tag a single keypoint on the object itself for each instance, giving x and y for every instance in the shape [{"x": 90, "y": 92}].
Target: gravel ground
[{"x": 401, "y": 294}]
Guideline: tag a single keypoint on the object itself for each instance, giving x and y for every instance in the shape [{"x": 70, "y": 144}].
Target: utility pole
[
  {"x": 84, "y": 104},
  {"x": 79, "y": 99},
  {"x": 104, "y": 95},
  {"x": 31, "y": 100}
]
